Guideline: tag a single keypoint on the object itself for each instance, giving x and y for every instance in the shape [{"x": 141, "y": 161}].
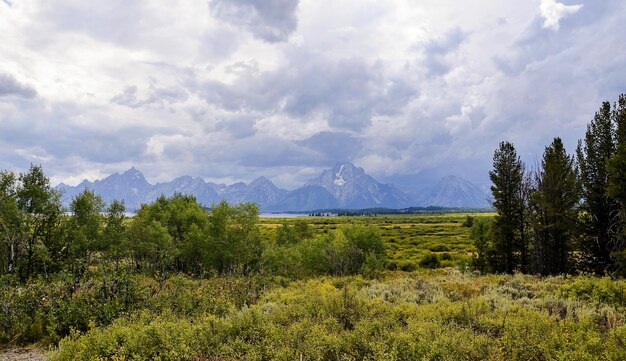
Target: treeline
[
  {"x": 172, "y": 235},
  {"x": 566, "y": 215}
]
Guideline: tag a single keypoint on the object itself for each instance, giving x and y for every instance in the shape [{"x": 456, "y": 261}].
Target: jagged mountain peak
[
  {"x": 133, "y": 173},
  {"x": 344, "y": 185},
  {"x": 353, "y": 188},
  {"x": 259, "y": 181}
]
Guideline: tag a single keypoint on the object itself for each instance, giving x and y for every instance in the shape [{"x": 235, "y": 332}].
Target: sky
[{"x": 230, "y": 90}]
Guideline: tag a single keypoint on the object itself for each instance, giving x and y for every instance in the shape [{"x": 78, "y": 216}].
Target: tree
[
  {"x": 507, "y": 177},
  {"x": 481, "y": 235},
  {"x": 185, "y": 222},
  {"x": 114, "y": 243},
  {"x": 600, "y": 210},
  {"x": 85, "y": 229},
  {"x": 40, "y": 207},
  {"x": 10, "y": 222},
  {"x": 617, "y": 183},
  {"x": 235, "y": 241},
  {"x": 555, "y": 202}
]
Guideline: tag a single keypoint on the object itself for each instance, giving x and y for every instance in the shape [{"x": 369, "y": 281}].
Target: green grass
[{"x": 408, "y": 238}]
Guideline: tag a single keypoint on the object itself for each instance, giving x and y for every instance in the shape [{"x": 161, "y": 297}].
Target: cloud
[
  {"x": 438, "y": 51},
  {"x": 238, "y": 89},
  {"x": 269, "y": 20},
  {"x": 347, "y": 92},
  {"x": 9, "y": 86},
  {"x": 333, "y": 146},
  {"x": 157, "y": 95},
  {"x": 553, "y": 12}
]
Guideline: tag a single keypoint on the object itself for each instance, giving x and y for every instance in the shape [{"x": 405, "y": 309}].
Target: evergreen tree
[
  {"x": 555, "y": 203},
  {"x": 617, "y": 183},
  {"x": 600, "y": 216},
  {"x": 507, "y": 177}
]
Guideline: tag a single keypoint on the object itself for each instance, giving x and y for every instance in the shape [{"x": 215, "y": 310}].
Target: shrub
[{"x": 430, "y": 260}]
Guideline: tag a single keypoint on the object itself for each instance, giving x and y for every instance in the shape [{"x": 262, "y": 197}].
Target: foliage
[
  {"x": 555, "y": 203},
  {"x": 600, "y": 216},
  {"x": 507, "y": 177},
  {"x": 443, "y": 315},
  {"x": 481, "y": 235}
]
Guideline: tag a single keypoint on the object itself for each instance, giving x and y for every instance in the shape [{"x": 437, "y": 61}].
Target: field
[
  {"x": 408, "y": 238},
  {"x": 411, "y": 310}
]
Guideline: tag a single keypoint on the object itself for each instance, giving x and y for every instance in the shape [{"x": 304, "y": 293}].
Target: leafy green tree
[
  {"x": 600, "y": 216},
  {"x": 114, "y": 241},
  {"x": 555, "y": 202},
  {"x": 507, "y": 178},
  {"x": 10, "y": 222},
  {"x": 85, "y": 229},
  {"x": 150, "y": 243},
  {"x": 186, "y": 224},
  {"x": 286, "y": 234},
  {"x": 40, "y": 208},
  {"x": 481, "y": 235},
  {"x": 235, "y": 241}
]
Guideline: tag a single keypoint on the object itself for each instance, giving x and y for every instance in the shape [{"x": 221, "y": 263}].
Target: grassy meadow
[
  {"x": 411, "y": 310},
  {"x": 408, "y": 239}
]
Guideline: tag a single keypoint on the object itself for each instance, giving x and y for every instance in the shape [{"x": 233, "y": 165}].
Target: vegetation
[
  {"x": 569, "y": 214},
  {"x": 179, "y": 282}
]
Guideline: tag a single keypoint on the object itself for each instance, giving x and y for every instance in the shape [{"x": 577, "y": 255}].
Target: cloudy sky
[{"x": 233, "y": 89}]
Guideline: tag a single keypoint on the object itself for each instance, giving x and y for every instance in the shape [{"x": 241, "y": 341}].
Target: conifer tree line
[{"x": 566, "y": 215}]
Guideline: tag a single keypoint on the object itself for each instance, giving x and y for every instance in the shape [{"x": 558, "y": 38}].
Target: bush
[{"x": 430, "y": 260}]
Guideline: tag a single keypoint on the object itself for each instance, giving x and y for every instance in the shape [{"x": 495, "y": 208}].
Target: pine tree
[
  {"x": 600, "y": 215},
  {"x": 617, "y": 183},
  {"x": 507, "y": 177},
  {"x": 555, "y": 202}
]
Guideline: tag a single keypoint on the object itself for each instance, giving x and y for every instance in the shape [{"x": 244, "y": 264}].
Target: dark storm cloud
[
  {"x": 50, "y": 129},
  {"x": 437, "y": 50},
  {"x": 264, "y": 151},
  {"x": 10, "y": 86},
  {"x": 269, "y": 20},
  {"x": 349, "y": 91},
  {"x": 333, "y": 146}
]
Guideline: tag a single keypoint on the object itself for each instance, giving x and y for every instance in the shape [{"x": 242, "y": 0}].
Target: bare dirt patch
[{"x": 22, "y": 354}]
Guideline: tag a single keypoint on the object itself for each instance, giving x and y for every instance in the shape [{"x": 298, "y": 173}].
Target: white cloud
[
  {"x": 398, "y": 86},
  {"x": 553, "y": 12}
]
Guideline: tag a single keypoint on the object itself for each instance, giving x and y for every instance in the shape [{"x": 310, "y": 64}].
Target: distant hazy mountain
[
  {"x": 204, "y": 192},
  {"x": 453, "y": 191},
  {"x": 353, "y": 188},
  {"x": 132, "y": 187},
  {"x": 306, "y": 198},
  {"x": 343, "y": 186}
]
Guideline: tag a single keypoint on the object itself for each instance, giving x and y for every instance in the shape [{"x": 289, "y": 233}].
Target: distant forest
[{"x": 565, "y": 215}]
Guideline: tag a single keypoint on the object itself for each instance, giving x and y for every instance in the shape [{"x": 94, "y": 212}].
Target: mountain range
[{"x": 344, "y": 186}]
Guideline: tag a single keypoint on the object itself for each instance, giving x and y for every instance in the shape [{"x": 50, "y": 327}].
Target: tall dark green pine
[
  {"x": 555, "y": 199},
  {"x": 617, "y": 183},
  {"x": 601, "y": 211},
  {"x": 507, "y": 178}
]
